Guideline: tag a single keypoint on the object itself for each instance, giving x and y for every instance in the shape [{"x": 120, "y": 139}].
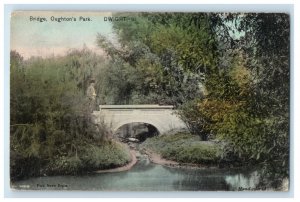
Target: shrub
[
  {"x": 184, "y": 148},
  {"x": 108, "y": 155}
]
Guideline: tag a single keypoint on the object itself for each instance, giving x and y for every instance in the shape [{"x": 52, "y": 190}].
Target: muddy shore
[
  {"x": 157, "y": 159},
  {"x": 123, "y": 168},
  {"x": 154, "y": 158}
]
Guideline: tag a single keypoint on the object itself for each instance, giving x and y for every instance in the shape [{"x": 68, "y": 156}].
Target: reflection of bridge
[{"x": 161, "y": 117}]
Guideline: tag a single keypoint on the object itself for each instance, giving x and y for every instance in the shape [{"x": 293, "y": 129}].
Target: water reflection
[
  {"x": 146, "y": 176},
  {"x": 246, "y": 181}
]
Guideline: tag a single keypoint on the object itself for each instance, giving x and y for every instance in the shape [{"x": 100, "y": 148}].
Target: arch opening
[{"x": 136, "y": 132}]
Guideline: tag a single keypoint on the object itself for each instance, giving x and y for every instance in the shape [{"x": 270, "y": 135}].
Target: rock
[{"x": 131, "y": 139}]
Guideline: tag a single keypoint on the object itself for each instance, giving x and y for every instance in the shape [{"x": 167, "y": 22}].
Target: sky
[{"x": 48, "y": 38}]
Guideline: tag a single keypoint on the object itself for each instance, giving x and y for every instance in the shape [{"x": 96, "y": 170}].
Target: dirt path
[
  {"x": 123, "y": 168},
  {"x": 156, "y": 158}
]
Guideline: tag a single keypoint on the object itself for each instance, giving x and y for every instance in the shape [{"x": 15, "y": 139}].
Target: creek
[{"x": 147, "y": 176}]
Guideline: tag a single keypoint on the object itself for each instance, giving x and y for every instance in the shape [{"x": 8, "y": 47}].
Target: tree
[
  {"x": 270, "y": 49},
  {"x": 162, "y": 43},
  {"x": 252, "y": 114}
]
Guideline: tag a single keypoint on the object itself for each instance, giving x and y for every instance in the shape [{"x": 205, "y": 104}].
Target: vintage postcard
[{"x": 149, "y": 101}]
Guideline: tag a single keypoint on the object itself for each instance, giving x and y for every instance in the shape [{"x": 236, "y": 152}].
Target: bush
[
  {"x": 194, "y": 119},
  {"x": 91, "y": 157},
  {"x": 108, "y": 155},
  {"x": 184, "y": 148},
  {"x": 66, "y": 165}
]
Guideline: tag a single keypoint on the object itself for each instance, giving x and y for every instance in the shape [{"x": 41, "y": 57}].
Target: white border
[{"x": 204, "y": 8}]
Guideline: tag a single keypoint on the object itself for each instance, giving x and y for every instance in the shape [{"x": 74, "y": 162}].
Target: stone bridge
[{"x": 161, "y": 117}]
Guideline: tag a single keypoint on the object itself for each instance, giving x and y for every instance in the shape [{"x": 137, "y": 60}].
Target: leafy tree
[
  {"x": 270, "y": 49},
  {"x": 248, "y": 103},
  {"x": 162, "y": 43}
]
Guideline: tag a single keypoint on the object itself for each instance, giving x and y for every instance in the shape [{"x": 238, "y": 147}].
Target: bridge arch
[
  {"x": 137, "y": 130},
  {"x": 161, "y": 117},
  {"x": 129, "y": 121}
]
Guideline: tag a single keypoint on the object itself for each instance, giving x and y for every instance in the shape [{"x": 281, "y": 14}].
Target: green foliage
[
  {"x": 162, "y": 60},
  {"x": 104, "y": 156},
  {"x": 267, "y": 39},
  {"x": 227, "y": 73},
  {"x": 67, "y": 165},
  {"x": 91, "y": 157},
  {"x": 225, "y": 91},
  {"x": 247, "y": 103},
  {"x": 271, "y": 62},
  {"x": 184, "y": 148},
  {"x": 51, "y": 124},
  {"x": 233, "y": 124},
  {"x": 195, "y": 121},
  {"x": 117, "y": 83}
]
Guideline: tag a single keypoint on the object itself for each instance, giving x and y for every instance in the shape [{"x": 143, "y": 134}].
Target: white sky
[{"x": 34, "y": 38}]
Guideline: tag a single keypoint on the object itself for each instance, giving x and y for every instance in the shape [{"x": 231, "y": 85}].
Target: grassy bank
[
  {"x": 88, "y": 157},
  {"x": 184, "y": 148},
  {"x": 92, "y": 157}
]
